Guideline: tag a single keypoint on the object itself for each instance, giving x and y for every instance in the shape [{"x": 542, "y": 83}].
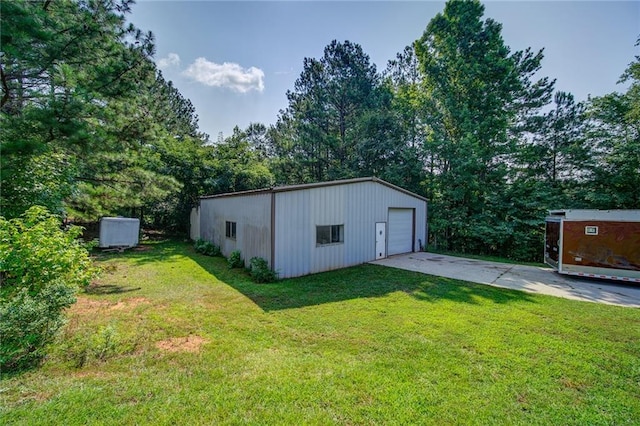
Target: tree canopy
[{"x": 89, "y": 125}]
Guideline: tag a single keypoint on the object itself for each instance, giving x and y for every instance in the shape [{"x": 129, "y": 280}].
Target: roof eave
[{"x": 304, "y": 186}]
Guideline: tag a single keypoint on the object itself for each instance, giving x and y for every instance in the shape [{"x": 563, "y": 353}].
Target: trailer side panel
[{"x": 601, "y": 247}]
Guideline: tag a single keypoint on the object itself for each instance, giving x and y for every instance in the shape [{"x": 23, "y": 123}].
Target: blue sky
[{"x": 236, "y": 60}]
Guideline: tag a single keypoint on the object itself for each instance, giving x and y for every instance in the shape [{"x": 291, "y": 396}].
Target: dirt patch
[
  {"x": 33, "y": 396},
  {"x": 182, "y": 344},
  {"x": 570, "y": 384},
  {"x": 85, "y": 306},
  {"x": 130, "y": 303}
]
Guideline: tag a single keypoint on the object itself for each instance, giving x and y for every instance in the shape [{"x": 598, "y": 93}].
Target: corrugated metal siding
[
  {"x": 327, "y": 207},
  {"x": 357, "y": 206},
  {"x": 294, "y": 236},
  {"x": 252, "y": 214},
  {"x": 362, "y": 214}
]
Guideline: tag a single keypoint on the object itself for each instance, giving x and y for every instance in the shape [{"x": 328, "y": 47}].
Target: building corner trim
[{"x": 273, "y": 231}]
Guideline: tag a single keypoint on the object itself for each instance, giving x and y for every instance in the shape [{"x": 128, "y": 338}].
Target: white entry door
[{"x": 381, "y": 240}]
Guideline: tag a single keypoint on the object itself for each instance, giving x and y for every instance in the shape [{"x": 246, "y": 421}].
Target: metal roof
[
  {"x": 304, "y": 186},
  {"x": 586, "y": 214}
]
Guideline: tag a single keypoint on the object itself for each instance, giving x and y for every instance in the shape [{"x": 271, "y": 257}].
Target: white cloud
[
  {"x": 172, "y": 59},
  {"x": 229, "y": 75}
]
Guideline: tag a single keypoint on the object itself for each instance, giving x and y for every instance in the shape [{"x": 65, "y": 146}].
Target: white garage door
[{"x": 400, "y": 231}]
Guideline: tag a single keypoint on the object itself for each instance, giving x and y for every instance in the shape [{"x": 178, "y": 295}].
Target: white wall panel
[
  {"x": 293, "y": 234},
  {"x": 357, "y": 206},
  {"x": 252, "y": 214}
]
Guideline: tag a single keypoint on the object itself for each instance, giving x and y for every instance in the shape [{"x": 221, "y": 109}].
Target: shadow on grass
[
  {"x": 363, "y": 281},
  {"x": 147, "y": 252},
  {"x": 109, "y": 289}
]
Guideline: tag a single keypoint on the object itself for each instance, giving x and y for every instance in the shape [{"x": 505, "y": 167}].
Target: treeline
[
  {"x": 461, "y": 119},
  {"x": 91, "y": 128}
]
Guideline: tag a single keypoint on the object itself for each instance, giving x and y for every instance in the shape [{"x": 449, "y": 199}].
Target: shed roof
[
  {"x": 586, "y": 214},
  {"x": 315, "y": 185}
]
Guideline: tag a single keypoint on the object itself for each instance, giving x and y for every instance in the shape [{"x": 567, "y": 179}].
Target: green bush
[
  {"x": 235, "y": 260},
  {"x": 42, "y": 267},
  {"x": 29, "y": 322},
  {"x": 207, "y": 248},
  {"x": 97, "y": 345},
  {"x": 260, "y": 271}
]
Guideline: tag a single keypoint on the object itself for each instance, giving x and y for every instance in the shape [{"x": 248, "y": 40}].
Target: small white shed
[
  {"x": 304, "y": 229},
  {"x": 119, "y": 232}
]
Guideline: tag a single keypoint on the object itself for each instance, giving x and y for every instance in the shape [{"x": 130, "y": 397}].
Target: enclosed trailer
[
  {"x": 119, "y": 232},
  {"x": 594, "y": 243}
]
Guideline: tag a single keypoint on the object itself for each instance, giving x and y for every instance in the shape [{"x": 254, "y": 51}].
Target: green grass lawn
[
  {"x": 432, "y": 249},
  {"x": 168, "y": 336}
]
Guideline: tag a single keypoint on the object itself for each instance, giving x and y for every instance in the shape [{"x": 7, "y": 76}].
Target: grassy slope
[
  {"x": 431, "y": 249},
  {"x": 363, "y": 345}
]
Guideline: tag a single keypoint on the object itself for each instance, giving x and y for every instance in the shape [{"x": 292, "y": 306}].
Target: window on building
[
  {"x": 329, "y": 234},
  {"x": 230, "y": 231}
]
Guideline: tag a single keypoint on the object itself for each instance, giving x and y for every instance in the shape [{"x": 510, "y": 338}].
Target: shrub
[
  {"x": 41, "y": 267},
  {"x": 207, "y": 248},
  {"x": 235, "y": 260},
  {"x": 29, "y": 322},
  {"x": 260, "y": 271},
  {"x": 98, "y": 345}
]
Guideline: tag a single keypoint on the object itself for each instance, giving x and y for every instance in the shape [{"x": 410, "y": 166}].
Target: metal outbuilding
[{"x": 309, "y": 228}]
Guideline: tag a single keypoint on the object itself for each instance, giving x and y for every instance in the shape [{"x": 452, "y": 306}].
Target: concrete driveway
[{"x": 525, "y": 278}]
